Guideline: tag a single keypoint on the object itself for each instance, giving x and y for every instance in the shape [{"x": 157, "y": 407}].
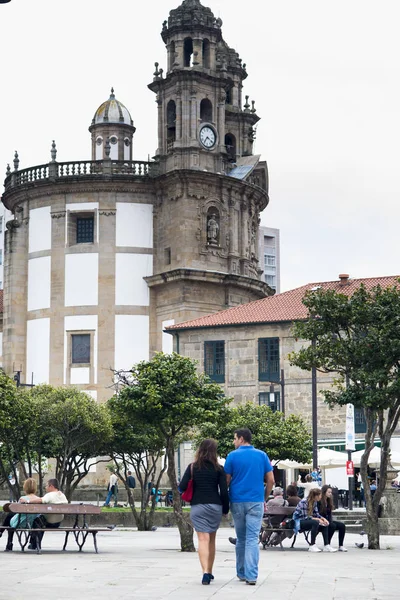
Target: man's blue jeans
[{"x": 247, "y": 517}]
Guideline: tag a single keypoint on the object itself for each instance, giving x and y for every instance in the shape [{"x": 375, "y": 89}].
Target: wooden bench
[
  {"x": 80, "y": 529},
  {"x": 272, "y": 533}
]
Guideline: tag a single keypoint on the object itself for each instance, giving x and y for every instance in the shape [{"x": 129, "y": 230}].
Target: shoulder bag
[{"x": 187, "y": 495}]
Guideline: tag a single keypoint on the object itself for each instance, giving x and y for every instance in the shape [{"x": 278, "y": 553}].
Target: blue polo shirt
[{"x": 247, "y": 467}]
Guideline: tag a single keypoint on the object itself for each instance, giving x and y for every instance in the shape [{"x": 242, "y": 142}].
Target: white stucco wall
[
  {"x": 167, "y": 339},
  {"x": 39, "y": 229},
  {"x": 39, "y": 283},
  {"x": 134, "y": 225},
  {"x": 80, "y": 375},
  {"x": 131, "y": 340},
  {"x": 38, "y": 351},
  {"x": 81, "y": 323},
  {"x": 81, "y": 279},
  {"x": 130, "y": 287}
]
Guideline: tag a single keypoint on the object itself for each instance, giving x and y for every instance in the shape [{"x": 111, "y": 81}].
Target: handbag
[{"x": 187, "y": 495}]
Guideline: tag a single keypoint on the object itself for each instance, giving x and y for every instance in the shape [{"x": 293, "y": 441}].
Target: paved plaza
[{"x": 144, "y": 565}]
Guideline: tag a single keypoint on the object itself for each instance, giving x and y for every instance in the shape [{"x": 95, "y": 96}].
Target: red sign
[{"x": 350, "y": 468}]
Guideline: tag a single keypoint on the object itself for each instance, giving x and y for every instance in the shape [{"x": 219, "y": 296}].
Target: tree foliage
[
  {"x": 281, "y": 438},
  {"x": 168, "y": 394},
  {"x": 358, "y": 337},
  {"x": 43, "y": 423}
]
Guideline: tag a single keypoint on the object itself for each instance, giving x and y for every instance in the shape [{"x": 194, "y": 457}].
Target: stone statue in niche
[{"x": 213, "y": 229}]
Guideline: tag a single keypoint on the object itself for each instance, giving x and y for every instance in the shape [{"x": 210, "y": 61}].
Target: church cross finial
[{"x": 112, "y": 93}]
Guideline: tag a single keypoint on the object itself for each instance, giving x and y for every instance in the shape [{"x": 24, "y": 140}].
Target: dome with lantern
[{"x": 112, "y": 111}]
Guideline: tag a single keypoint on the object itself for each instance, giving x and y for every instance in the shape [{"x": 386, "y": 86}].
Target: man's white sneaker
[
  {"x": 329, "y": 548},
  {"x": 314, "y": 548},
  {"x": 342, "y": 549}
]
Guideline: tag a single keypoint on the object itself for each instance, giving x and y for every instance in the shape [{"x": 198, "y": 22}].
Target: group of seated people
[
  {"x": 313, "y": 513},
  {"x": 34, "y": 521}
]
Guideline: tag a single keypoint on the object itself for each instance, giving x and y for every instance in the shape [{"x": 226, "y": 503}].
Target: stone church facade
[{"x": 102, "y": 255}]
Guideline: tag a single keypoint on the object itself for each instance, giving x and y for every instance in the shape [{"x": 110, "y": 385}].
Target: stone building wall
[{"x": 241, "y": 371}]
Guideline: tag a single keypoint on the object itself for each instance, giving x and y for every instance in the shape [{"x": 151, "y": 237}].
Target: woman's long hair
[
  {"x": 313, "y": 496},
  {"x": 325, "y": 501},
  {"x": 207, "y": 452}
]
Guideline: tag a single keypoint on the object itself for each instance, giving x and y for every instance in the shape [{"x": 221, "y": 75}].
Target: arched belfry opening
[
  {"x": 206, "y": 54},
  {"x": 213, "y": 226},
  {"x": 171, "y": 122},
  {"x": 188, "y": 52},
  {"x": 206, "y": 110},
  {"x": 230, "y": 145}
]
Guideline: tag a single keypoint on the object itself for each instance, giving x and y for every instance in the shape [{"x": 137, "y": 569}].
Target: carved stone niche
[{"x": 213, "y": 229}]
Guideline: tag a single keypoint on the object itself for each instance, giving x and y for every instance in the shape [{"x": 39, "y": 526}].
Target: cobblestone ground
[{"x": 143, "y": 565}]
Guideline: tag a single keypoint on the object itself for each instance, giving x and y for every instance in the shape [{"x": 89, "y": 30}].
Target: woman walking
[
  {"x": 307, "y": 518},
  {"x": 325, "y": 508},
  {"x": 210, "y": 501}
]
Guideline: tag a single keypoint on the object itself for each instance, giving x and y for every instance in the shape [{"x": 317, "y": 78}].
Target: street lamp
[{"x": 272, "y": 396}]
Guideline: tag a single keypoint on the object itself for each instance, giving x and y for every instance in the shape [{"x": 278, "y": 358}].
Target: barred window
[
  {"x": 80, "y": 348},
  {"x": 84, "y": 230},
  {"x": 268, "y": 359},
  {"x": 214, "y": 361},
  {"x": 360, "y": 426}
]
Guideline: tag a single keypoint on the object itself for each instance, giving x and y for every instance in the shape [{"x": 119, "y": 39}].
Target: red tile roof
[{"x": 287, "y": 306}]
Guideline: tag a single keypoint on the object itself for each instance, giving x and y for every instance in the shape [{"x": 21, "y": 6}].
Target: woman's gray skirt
[{"x": 206, "y": 518}]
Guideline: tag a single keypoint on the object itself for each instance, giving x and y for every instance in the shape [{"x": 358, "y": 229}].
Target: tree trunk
[
  {"x": 185, "y": 528},
  {"x": 370, "y": 503}
]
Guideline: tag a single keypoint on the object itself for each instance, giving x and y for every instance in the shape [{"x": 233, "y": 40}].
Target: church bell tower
[
  {"x": 210, "y": 189},
  {"x": 201, "y": 121}
]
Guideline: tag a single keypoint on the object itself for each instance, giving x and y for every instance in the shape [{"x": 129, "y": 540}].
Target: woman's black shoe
[
  {"x": 206, "y": 579},
  {"x": 8, "y": 548}
]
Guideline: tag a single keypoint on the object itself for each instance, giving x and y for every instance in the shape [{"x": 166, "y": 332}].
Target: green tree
[
  {"x": 76, "y": 428},
  {"x": 358, "y": 337},
  {"x": 139, "y": 447},
  {"x": 167, "y": 393},
  {"x": 281, "y": 438}
]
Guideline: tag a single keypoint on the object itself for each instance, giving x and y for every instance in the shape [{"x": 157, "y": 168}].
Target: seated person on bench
[
  {"x": 307, "y": 517},
  {"x": 20, "y": 521},
  {"x": 53, "y": 496}
]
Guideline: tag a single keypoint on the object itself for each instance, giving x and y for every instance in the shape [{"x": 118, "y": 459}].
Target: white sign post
[
  {"x": 350, "y": 433},
  {"x": 350, "y": 447}
]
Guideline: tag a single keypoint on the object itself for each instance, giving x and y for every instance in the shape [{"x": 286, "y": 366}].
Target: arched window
[
  {"x": 188, "y": 52},
  {"x": 230, "y": 144},
  {"x": 206, "y": 54},
  {"x": 206, "y": 110},
  {"x": 171, "y": 122},
  {"x": 171, "y": 56}
]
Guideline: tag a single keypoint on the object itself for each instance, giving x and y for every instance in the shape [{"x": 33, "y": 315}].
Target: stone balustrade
[{"x": 86, "y": 168}]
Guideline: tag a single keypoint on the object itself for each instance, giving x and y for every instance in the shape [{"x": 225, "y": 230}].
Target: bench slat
[{"x": 44, "y": 509}]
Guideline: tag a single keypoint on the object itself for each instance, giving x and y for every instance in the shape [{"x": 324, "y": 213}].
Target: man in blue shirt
[{"x": 246, "y": 471}]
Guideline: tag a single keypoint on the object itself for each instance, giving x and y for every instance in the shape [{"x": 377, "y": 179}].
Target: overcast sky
[{"x": 325, "y": 78}]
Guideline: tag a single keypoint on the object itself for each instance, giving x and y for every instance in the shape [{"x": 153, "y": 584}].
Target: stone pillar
[
  {"x": 389, "y": 522},
  {"x": 16, "y": 293},
  {"x": 193, "y": 114},
  {"x": 57, "y": 302},
  {"x": 106, "y": 315}
]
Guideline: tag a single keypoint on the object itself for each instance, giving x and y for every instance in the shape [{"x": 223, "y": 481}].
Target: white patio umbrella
[
  {"x": 375, "y": 458},
  {"x": 327, "y": 459}
]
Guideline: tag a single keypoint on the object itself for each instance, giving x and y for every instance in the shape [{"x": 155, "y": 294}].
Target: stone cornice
[{"x": 215, "y": 277}]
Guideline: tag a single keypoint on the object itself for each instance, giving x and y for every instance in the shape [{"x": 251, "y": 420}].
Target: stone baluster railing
[{"x": 76, "y": 169}]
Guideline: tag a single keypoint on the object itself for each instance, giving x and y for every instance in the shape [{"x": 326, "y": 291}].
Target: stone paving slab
[{"x": 143, "y": 565}]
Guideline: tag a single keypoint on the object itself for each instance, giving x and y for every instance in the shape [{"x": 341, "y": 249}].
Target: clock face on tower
[{"x": 207, "y": 137}]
